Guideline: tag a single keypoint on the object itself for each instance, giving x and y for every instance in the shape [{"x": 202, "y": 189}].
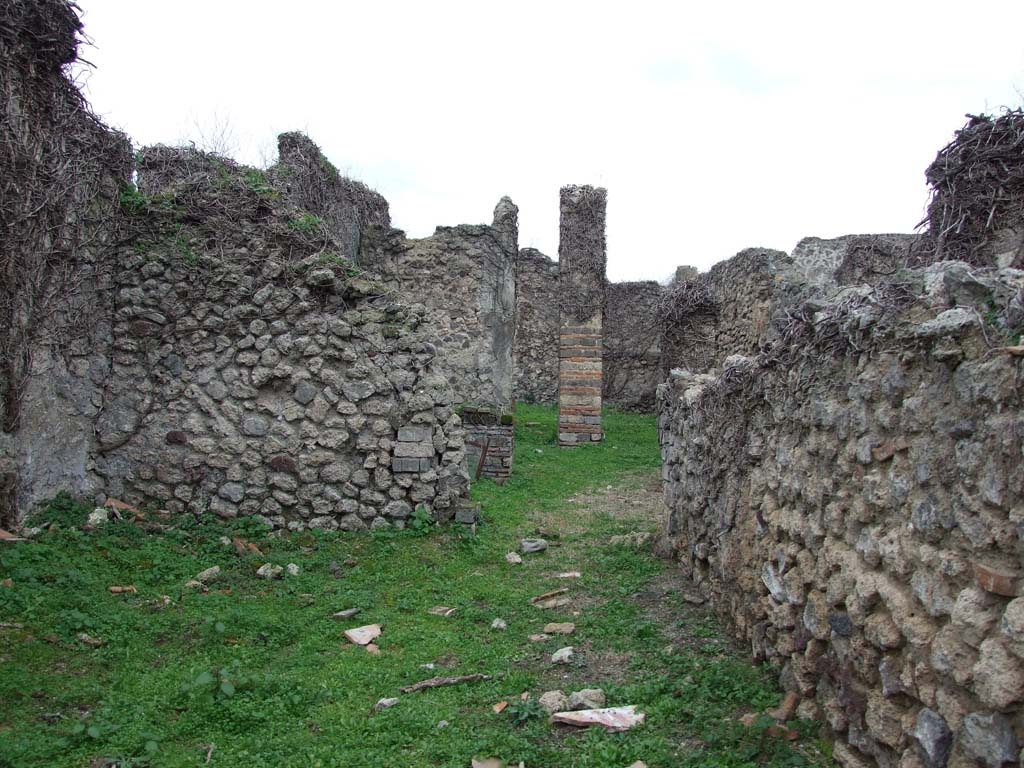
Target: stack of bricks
[
  {"x": 414, "y": 451},
  {"x": 581, "y": 260},
  {"x": 490, "y": 443}
]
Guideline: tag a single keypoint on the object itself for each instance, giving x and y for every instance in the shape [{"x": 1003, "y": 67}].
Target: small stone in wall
[
  {"x": 255, "y": 426},
  {"x": 304, "y": 392},
  {"x": 998, "y": 676},
  {"x": 933, "y": 737},
  {"x": 234, "y": 492},
  {"x": 989, "y": 738},
  {"x": 176, "y": 437}
]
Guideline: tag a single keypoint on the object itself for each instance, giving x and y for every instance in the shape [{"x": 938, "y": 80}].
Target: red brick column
[{"x": 581, "y": 262}]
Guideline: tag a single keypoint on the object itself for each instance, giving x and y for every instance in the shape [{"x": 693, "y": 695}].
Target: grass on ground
[{"x": 255, "y": 672}]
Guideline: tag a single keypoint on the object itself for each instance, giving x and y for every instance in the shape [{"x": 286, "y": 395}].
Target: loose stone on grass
[
  {"x": 513, "y": 558},
  {"x": 209, "y": 574},
  {"x": 348, "y": 613},
  {"x": 384, "y": 704},
  {"x": 637, "y": 539},
  {"x": 554, "y": 701},
  {"x": 499, "y": 624},
  {"x": 613, "y": 719},
  {"x": 559, "y": 628},
  {"x": 562, "y": 655},
  {"x": 363, "y": 635},
  {"x": 269, "y": 571},
  {"x": 532, "y": 545},
  {"x": 587, "y": 698}
]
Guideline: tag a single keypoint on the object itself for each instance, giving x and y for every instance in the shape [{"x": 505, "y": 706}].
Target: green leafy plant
[
  {"x": 256, "y": 181},
  {"x": 184, "y": 250},
  {"x": 212, "y": 686},
  {"x": 307, "y": 222},
  {"x": 526, "y": 711},
  {"x": 421, "y": 521},
  {"x": 132, "y": 201}
]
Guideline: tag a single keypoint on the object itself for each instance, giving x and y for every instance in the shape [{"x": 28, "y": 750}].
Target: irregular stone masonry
[
  {"x": 631, "y": 359},
  {"x": 536, "y": 341},
  {"x": 851, "y": 501},
  {"x": 241, "y": 365},
  {"x": 581, "y": 284},
  {"x": 465, "y": 277}
]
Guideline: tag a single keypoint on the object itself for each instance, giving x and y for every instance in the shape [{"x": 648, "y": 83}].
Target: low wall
[
  {"x": 490, "y": 444},
  {"x": 851, "y": 501}
]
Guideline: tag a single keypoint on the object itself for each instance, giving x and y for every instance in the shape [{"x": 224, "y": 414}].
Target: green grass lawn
[{"x": 258, "y": 671}]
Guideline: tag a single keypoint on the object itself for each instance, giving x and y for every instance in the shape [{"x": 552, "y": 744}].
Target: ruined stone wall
[
  {"x": 256, "y": 371},
  {"x": 632, "y": 344},
  {"x": 536, "y": 342},
  {"x": 851, "y": 502},
  {"x": 853, "y": 259},
  {"x": 465, "y": 276},
  {"x": 61, "y": 176},
  {"x": 726, "y": 310},
  {"x": 310, "y": 182}
]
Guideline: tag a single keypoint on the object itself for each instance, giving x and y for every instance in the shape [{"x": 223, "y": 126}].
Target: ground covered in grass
[{"x": 255, "y": 672}]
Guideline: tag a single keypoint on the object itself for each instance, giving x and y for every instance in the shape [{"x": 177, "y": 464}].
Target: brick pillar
[{"x": 581, "y": 264}]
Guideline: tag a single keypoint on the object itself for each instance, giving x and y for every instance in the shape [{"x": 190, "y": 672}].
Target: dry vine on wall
[
  {"x": 58, "y": 191},
  {"x": 977, "y": 185}
]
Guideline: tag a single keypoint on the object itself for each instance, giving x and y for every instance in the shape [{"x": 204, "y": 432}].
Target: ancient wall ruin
[
  {"x": 536, "y": 341},
  {"x": 62, "y": 171},
  {"x": 847, "y": 492},
  {"x": 582, "y": 262},
  {"x": 205, "y": 341},
  {"x": 465, "y": 277},
  {"x": 632, "y": 344}
]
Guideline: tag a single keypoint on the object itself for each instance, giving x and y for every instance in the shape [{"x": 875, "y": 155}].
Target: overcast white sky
[{"x": 714, "y": 126}]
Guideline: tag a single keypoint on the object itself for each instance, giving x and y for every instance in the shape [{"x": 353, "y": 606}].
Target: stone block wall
[
  {"x": 465, "y": 278},
  {"x": 850, "y": 499},
  {"x": 582, "y": 262}
]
